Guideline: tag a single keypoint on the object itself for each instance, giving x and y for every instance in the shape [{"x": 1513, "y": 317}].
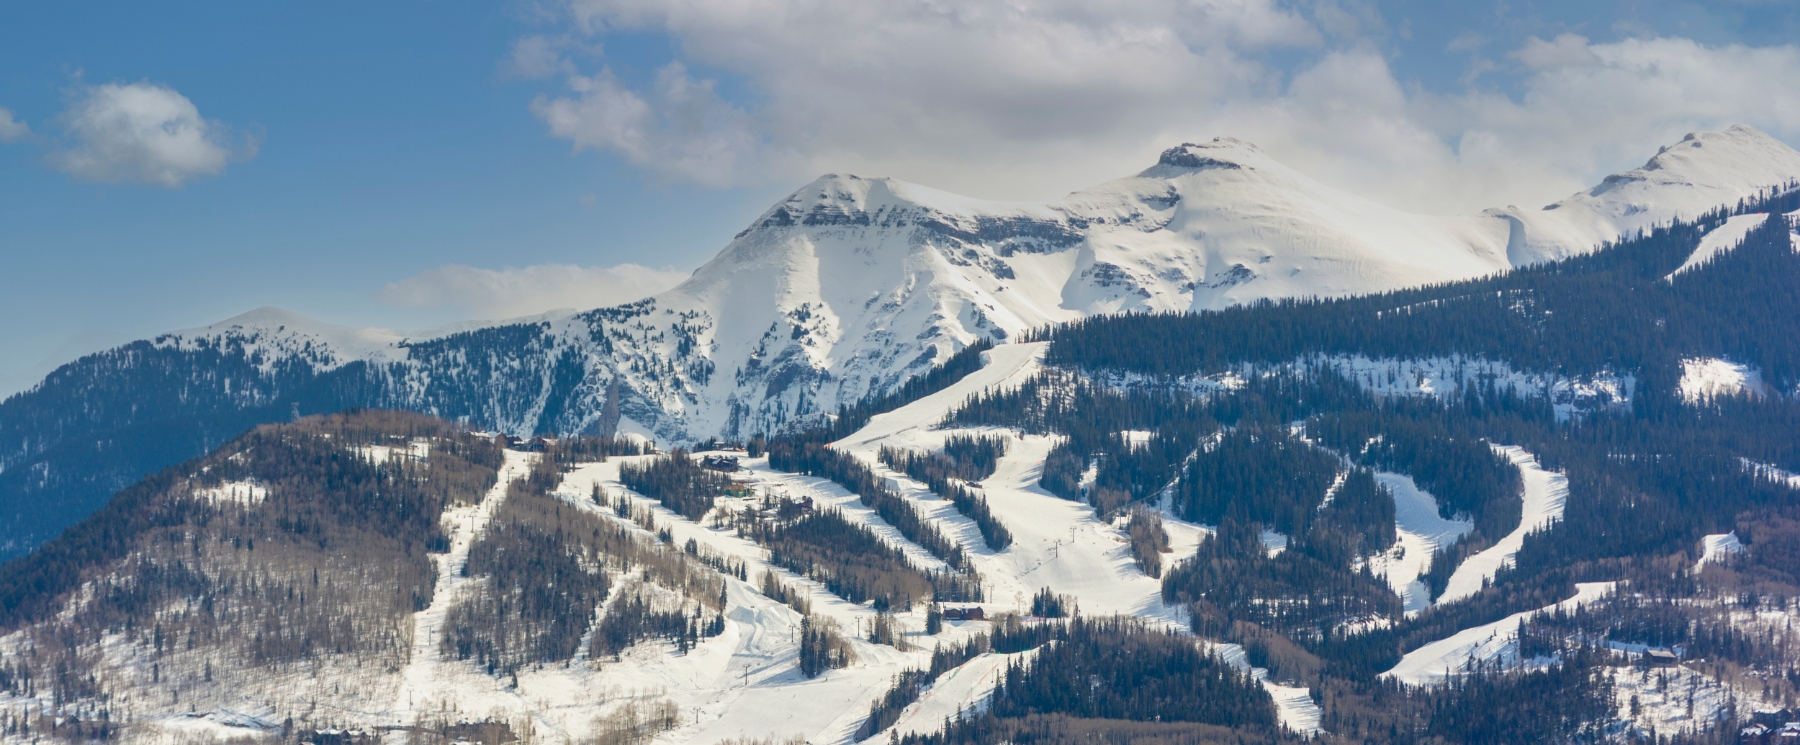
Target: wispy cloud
[
  {"x": 1031, "y": 99},
  {"x": 508, "y": 293},
  {"x": 12, "y": 130}
]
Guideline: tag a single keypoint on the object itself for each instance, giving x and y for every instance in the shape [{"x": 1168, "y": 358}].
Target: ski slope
[
  {"x": 1420, "y": 531},
  {"x": 1495, "y": 642},
  {"x": 1718, "y": 547},
  {"x": 1545, "y": 494},
  {"x": 1719, "y": 240}
]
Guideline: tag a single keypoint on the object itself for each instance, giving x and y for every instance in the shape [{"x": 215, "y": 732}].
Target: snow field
[
  {"x": 1706, "y": 377},
  {"x": 1718, "y": 547},
  {"x": 234, "y": 492},
  {"x": 746, "y": 682},
  {"x": 1421, "y": 531},
  {"x": 1445, "y": 658},
  {"x": 1545, "y": 493}
]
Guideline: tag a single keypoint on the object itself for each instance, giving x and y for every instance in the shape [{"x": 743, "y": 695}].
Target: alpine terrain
[{"x": 1214, "y": 453}]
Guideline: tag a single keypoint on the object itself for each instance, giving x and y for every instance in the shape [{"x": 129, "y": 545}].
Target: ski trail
[
  {"x": 421, "y": 676},
  {"x": 1545, "y": 493}
]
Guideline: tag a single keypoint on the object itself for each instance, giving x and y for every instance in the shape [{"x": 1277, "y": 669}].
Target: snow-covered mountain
[
  {"x": 852, "y": 284},
  {"x": 844, "y": 289}
]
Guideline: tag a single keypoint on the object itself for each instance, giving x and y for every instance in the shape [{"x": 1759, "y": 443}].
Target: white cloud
[
  {"x": 509, "y": 293},
  {"x": 12, "y": 130},
  {"x": 683, "y": 130},
  {"x": 1033, "y": 98},
  {"x": 145, "y": 133}
]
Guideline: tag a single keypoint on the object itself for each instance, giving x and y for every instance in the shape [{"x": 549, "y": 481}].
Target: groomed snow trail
[
  {"x": 1718, "y": 547},
  {"x": 964, "y": 688},
  {"x": 1445, "y": 658},
  {"x": 1717, "y": 241},
  {"x": 1545, "y": 494},
  {"x": 1421, "y": 531},
  {"x": 1004, "y": 366},
  {"x": 1294, "y": 706},
  {"x": 421, "y": 680},
  {"x": 745, "y": 683}
]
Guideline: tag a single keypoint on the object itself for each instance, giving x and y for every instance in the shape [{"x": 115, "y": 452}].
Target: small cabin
[
  {"x": 1660, "y": 657},
  {"x": 726, "y": 463},
  {"x": 965, "y": 614},
  {"x": 1755, "y": 734}
]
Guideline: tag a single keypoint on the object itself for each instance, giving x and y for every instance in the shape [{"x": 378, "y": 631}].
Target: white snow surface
[
  {"x": 1706, "y": 377},
  {"x": 1545, "y": 494},
  {"x": 1773, "y": 473},
  {"x": 852, "y": 284},
  {"x": 1719, "y": 240},
  {"x": 1495, "y": 642},
  {"x": 1421, "y": 531},
  {"x": 246, "y": 493},
  {"x": 1718, "y": 547}
]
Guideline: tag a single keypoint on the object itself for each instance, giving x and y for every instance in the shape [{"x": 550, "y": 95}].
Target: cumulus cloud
[
  {"x": 12, "y": 130},
  {"x": 509, "y": 293},
  {"x": 1032, "y": 98},
  {"x": 145, "y": 133}
]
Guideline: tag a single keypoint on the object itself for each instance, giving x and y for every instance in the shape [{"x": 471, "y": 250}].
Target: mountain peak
[
  {"x": 1221, "y": 152},
  {"x": 1740, "y": 156}
]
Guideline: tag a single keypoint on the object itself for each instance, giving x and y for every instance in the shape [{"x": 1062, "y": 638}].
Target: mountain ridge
[{"x": 839, "y": 292}]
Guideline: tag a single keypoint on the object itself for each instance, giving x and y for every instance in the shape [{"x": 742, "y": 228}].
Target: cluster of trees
[
  {"x": 630, "y": 620},
  {"x": 849, "y": 559},
  {"x": 814, "y": 458},
  {"x": 1148, "y": 541},
  {"x": 1113, "y": 668},
  {"x": 945, "y": 475},
  {"x": 591, "y": 449},
  {"x": 773, "y": 588},
  {"x": 678, "y": 482},
  {"x": 1233, "y": 578},
  {"x": 823, "y": 647},
  {"x": 975, "y": 456},
  {"x": 1047, "y": 604},
  {"x": 1256, "y": 474}
]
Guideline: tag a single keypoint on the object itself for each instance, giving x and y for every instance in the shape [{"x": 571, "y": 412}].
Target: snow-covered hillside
[{"x": 851, "y": 284}]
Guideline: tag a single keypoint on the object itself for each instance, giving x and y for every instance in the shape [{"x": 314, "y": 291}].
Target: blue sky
[{"x": 408, "y": 163}]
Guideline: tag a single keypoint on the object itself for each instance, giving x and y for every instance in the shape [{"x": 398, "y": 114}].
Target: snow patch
[
  {"x": 247, "y": 493},
  {"x": 1718, "y": 547},
  {"x": 1706, "y": 377}
]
